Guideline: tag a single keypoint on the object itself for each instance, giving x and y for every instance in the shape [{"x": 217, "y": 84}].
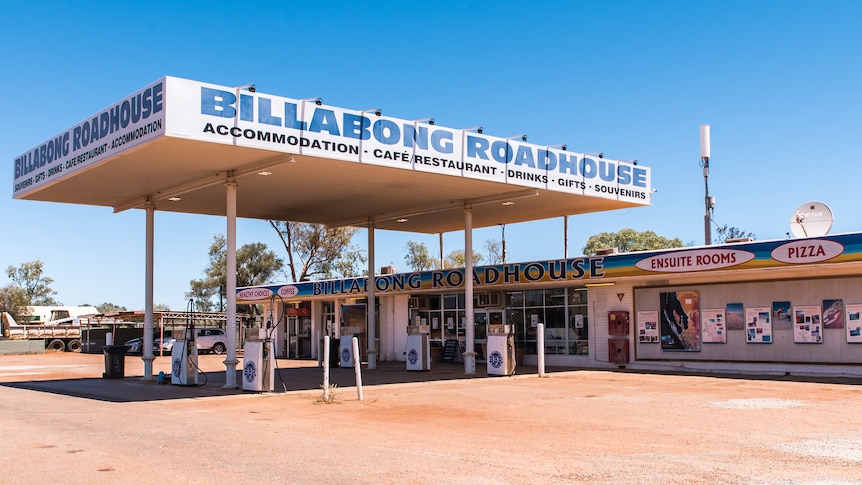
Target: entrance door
[{"x": 481, "y": 319}]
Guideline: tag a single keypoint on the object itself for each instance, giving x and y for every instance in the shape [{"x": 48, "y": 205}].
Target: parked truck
[{"x": 59, "y": 327}]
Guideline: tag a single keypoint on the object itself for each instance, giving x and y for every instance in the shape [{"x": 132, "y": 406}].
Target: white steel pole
[
  {"x": 372, "y": 320},
  {"x": 147, "y": 355},
  {"x": 540, "y": 349},
  {"x": 231, "y": 362},
  {"x": 469, "y": 353},
  {"x": 326, "y": 369},
  {"x": 357, "y": 368}
]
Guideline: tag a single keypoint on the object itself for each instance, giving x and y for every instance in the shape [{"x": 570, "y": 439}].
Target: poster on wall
[
  {"x": 758, "y": 325},
  {"x": 781, "y": 315},
  {"x": 680, "y": 320},
  {"x": 807, "y": 328},
  {"x": 714, "y": 328},
  {"x": 854, "y": 323},
  {"x": 648, "y": 327},
  {"x": 833, "y": 313},
  {"x": 734, "y": 316}
]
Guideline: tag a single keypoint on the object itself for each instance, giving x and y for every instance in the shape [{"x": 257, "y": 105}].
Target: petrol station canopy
[{"x": 176, "y": 142}]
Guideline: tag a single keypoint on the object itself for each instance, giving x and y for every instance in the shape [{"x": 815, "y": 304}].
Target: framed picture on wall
[
  {"x": 679, "y": 312},
  {"x": 833, "y": 313},
  {"x": 781, "y": 315},
  {"x": 734, "y": 316}
]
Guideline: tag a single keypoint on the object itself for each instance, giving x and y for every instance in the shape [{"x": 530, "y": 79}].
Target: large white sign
[
  {"x": 123, "y": 125},
  {"x": 235, "y": 117},
  {"x": 217, "y": 114}
]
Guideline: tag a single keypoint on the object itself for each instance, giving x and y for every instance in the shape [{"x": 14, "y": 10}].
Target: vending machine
[
  {"x": 184, "y": 358},
  {"x": 258, "y": 362},
  {"x": 501, "y": 350},
  {"x": 418, "y": 348}
]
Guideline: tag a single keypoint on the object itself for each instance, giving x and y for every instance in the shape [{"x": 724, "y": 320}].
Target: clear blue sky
[{"x": 778, "y": 81}]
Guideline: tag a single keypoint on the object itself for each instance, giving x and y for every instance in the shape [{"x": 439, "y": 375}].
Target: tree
[
  {"x": 418, "y": 257},
  {"x": 457, "y": 259},
  {"x": 494, "y": 250},
  {"x": 13, "y": 300},
  {"x": 315, "y": 251},
  {"x": 731, "y": 232},
  {"x": 627, "y": 240},
  {"x": 37, "y": 288},
  {"x": 110, "y": 308},
  {"x": 255, "y": 265}
]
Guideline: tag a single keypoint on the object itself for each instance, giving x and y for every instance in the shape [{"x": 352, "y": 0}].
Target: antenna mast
[{"x": 709, "y": 202}]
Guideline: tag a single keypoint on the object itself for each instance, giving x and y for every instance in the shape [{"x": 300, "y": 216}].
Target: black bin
[
  {"x": 333, "y": 351},
  {"x": 115, "y": 361}
]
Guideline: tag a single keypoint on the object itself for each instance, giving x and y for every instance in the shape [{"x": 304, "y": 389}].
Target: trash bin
[
  {"x": 333, "y": 352},
  {"x": 115, "y": 361}
]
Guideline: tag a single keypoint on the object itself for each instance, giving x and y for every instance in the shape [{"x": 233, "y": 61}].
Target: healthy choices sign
[{"x": 189, "y": 109}]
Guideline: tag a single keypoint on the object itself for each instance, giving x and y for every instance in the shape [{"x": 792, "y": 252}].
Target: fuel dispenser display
[
  {"x": 418, "y": 348},
  {"x": 258, "y": 362},
  {"x": 501, "y": 350}
]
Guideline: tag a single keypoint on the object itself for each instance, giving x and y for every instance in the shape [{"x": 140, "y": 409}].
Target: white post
[
  {"x": 230, "y": 362},
  {"x": 540, "y": 348},
  {"x": 326, "y": 369},
  {"x": 371, "y": 319},
  {"x": 357, "y": 368},
  {"x": 469, "y": 353},
  {"x": 147, "y": 353}
]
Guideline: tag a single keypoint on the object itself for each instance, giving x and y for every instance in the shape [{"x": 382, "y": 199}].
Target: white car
[{"x": 206, "y": 340}]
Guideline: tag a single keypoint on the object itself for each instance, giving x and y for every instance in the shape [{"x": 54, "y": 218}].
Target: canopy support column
[
  {"x": 469, "y": 352},
  {"x": 372, "y": 303},
  {"x": 147, "y": 354},
  {"x": 231, "y": 362}
]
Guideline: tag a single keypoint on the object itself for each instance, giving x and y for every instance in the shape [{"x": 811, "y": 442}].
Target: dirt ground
[{"x": 594, "y": 427}]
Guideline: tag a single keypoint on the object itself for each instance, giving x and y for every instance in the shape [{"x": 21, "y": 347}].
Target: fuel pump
[
  {"x": 501, "y": 350},
  {"x": 258, "y": 362},
  {"x": 418, "y": 348},
  {"x": 184, "y": 352}
]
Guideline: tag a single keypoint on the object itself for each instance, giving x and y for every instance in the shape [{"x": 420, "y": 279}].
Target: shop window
[
  {"x": 533, "y": 298},
  {"x": 555, "y": 297},
  {"x": 577, "y": 296},
  {"x": 515, "y": 299}
]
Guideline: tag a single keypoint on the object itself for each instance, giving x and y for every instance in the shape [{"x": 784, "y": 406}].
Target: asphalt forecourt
[{"x": 573, "y": 426}]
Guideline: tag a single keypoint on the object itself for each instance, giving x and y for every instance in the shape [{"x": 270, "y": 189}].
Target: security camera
[{"x": 524, "y": 138}]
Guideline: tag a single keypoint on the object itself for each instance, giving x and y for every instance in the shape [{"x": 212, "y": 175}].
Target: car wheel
[{"x": 219, "y": 348}]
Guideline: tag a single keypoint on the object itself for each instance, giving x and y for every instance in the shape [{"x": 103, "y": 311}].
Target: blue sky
[{"x": 778, "y": 81}]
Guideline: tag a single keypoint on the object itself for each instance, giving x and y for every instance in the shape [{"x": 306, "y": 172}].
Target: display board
[
  {"x": 854, "y": 323},
  {"x": 647, "y": 327},
  {"x": 714, "y": 327},
  {"x": 758, "y": 325},
  {"x": 807, "y": 327}
]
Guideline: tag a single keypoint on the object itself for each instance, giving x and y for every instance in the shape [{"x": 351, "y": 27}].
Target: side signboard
[
  {"x": 131, "y": 121},
  {"x": 586, "y": 269},
  {"x": 233, "y": 116}
]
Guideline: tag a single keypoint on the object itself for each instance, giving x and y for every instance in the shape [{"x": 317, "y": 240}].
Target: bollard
[
  {"x": 326, "y": 369},
  {"x": 540, "y": 349},
  {"x": 357, "y": 366}
]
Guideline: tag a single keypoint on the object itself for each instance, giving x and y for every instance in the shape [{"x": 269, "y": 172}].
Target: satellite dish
[{"x": 811, "y": 219}]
